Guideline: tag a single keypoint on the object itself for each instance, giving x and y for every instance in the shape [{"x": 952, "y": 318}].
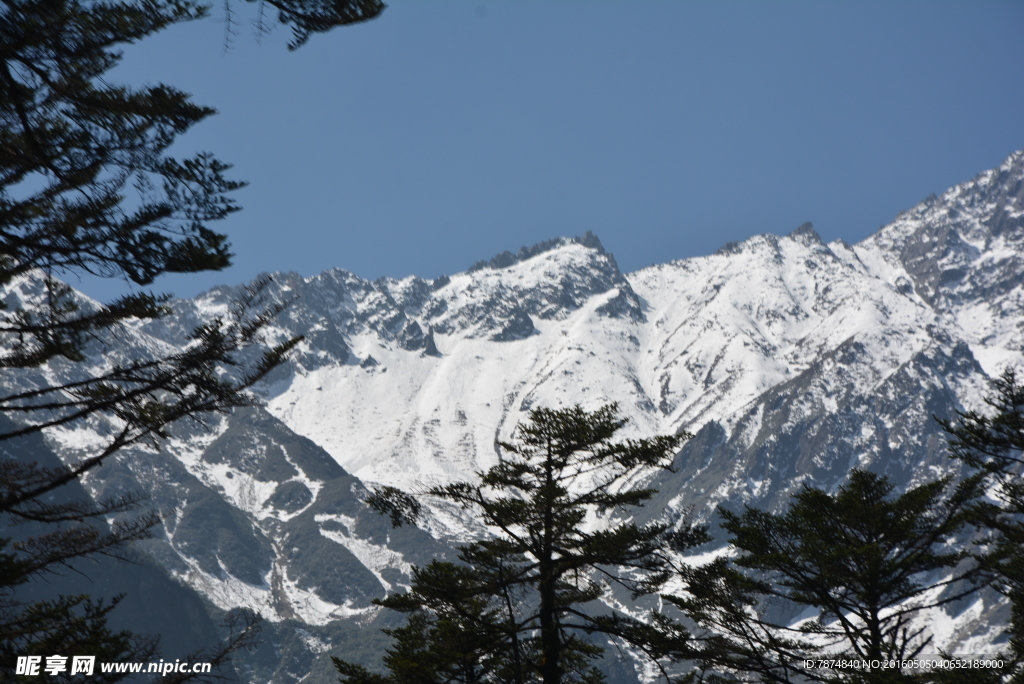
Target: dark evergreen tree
[
  {"x": 521, "y": 605},
  {"x": 462, "y": 628},
  {"x": 86, "y": 187},
  {"x": 994, "y": 444},
  {"x": 865, "y": 561}
]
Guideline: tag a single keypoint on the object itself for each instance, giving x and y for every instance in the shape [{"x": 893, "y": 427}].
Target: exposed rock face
[{"x": 791, "y": 359}]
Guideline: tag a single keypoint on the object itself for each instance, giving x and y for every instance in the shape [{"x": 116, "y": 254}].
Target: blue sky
[{"x": 445, "y": 132}]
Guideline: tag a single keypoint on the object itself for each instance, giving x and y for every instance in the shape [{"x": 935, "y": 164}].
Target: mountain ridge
[{"x": 791, "y": 359}]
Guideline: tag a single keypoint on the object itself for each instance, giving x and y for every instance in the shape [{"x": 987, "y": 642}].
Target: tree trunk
[{"x": 549, "y": 636}]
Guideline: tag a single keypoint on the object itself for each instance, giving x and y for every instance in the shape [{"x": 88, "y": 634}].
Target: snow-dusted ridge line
[{"x": 791, "y": 360}]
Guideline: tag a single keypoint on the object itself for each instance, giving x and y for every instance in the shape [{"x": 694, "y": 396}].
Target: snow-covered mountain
[{"x": 791, "y": 360}]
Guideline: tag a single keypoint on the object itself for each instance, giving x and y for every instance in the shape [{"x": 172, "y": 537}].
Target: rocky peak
[
  {"x": 506, "y": 258},
  {"x": 963, "y": 249},
  {"x": 806, "y": 234}
]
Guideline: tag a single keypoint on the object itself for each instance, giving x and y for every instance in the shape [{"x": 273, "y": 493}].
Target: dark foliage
[
  {"x": 521, "y": 605},
  {"x": 994, "y": 444},
  {"x": 864, "y": 561},
  {"x": 86, "y": 187}
]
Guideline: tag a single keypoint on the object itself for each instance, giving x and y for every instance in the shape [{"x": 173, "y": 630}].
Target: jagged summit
[
  {"x": 806, "y": 233},
  {"x": 506, "y": 258},
  {"x": 962, "y": 252}
]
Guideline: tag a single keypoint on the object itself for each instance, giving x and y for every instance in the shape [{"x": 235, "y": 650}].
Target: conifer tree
[
  {"x": 864, "y": 561},
  {"x": 86, "y": 186},
  {"x": 520, "y": 605},
  {"x": 994, "y": 444}
]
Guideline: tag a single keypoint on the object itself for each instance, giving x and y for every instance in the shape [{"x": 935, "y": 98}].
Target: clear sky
[{"x": 445, "y": 132}]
